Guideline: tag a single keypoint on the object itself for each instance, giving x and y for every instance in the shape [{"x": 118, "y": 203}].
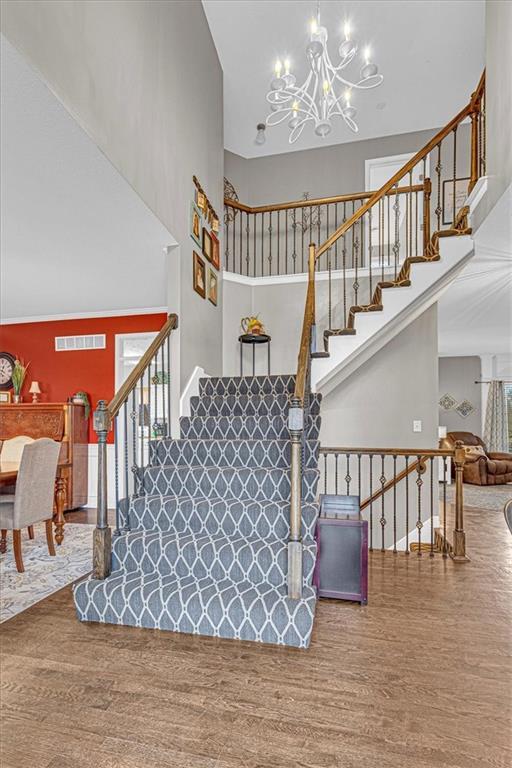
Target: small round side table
[{"x": 254, "y": 339}]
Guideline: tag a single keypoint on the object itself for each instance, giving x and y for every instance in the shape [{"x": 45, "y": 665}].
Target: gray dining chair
[{"x": 32, "y": 501}]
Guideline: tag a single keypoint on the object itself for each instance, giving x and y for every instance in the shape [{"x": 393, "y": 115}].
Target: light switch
[{"x": 416, "y": 426}]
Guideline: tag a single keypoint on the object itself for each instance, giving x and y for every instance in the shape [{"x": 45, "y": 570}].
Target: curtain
[{"x": 496, "y": 428}]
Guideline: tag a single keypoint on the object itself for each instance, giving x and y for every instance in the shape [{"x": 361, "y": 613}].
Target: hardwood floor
[{"x": 421, "y": 677}]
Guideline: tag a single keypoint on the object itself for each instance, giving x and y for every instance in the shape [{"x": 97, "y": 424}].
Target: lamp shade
[{"x": 35, "y": 388}]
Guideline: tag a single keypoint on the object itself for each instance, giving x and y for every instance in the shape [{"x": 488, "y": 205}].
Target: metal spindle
[
  {"x": 431, "y": 506},
  {"x": 125, "y": 450},
  {"x": 325, "y": 473},
  {"x": 445, "y": 552},
  {"x": 383, "y": 495},
  {"x": 336, "y": 474},
  {"x": 371, "y": 503},
  {"x": 117, "y": 531},
  {"x": 394, "y": 506},
  {"x": 438, "y": 170},
  {"x": 454, "y": 211},
  {"x": 419, "y": 522},
  {"x": 406, "y": 505},
  {"x": 134, "y": 416}
]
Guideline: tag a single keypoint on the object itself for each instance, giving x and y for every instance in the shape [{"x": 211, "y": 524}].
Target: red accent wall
[{"x": 61, "y": 374}]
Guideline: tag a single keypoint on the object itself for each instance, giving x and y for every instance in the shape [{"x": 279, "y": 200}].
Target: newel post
[
  {"x": 296, "y": 426},
  {"x": 459, "y": 535},
  {"x": 102, "y": 537}
]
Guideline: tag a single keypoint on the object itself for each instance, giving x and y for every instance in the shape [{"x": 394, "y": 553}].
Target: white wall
[{"x": 118, "y": 67}]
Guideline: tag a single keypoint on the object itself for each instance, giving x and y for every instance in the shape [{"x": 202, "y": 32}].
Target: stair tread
[{"x": 205, "y": 537}]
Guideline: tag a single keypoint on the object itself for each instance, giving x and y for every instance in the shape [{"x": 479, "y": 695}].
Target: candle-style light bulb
[
  {"x": 326, "y": 86},
  {"x": 347, "y": 97},
  {"x": 346, "y": 30},
  {"x": 314, "y": 26},
  {"x": 278, "y": 68},
  {"x": 287, "y": 66},
  {"x": 295, "y": 107},
  {"x": 366, "y": 54}
]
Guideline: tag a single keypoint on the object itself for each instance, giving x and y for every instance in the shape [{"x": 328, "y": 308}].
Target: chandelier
[{"x": 325, "y": 93}]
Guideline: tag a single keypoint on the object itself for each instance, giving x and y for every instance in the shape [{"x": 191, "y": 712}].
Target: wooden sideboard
[{"x": 64, "y": 422}]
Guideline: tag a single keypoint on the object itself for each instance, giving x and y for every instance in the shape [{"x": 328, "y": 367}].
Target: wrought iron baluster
[
  {"x": 336, "y": 474},
  {"x": 370, "y": 292},
  {"x": 445, "y": 549},
  {"x": 359, "y": 475},
  {"x": 247, "y": 239},
  {"x": 286, "y": 241},
  {"x": 348, "y": 476},
  {"x": 396, "y": 246},
  {"x": 344, "y": 257},
  {"x": 294, "y": 254},
  {"x": 278, "y": 244},
  {"x": 234, "y": 241},
  {"x": 169, "y": 430},
  {"x": 262, "y": 245},
  {"x": 431, "y": 506},
  {"x": 419, "y": 521},
  {"x": 336, "y": 243},
  {"x": 329, "y": 288},
  {"x": 149, "y": 420},
  {"x": 438, "y": 170},
  {"x": 270, "y": 242},
  {"x": 394, "y": 505},
  {"x": 226, "y": 233},
  {"x": 382, "y": 498},
  {"x": 409, "y": 201},
  {"x": 371, "y": 503},
  {"x": 155, "y": 394},
  {"x": 417, "y": 223},
  {"x": 454, "y": 211},
  {"x": 388, "y": 198},
  {"x": 406, "y": 505},
  {"x": 125, "y": 450},
  {"x": 117, "y": 531},
  {"x": 325, "y": 473},
  {"x": 241, "y": 234},
  {"x": 382, "y": 237}
]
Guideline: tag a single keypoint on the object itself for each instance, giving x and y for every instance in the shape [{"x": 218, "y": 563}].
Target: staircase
[{"x": 203, "y": 548}]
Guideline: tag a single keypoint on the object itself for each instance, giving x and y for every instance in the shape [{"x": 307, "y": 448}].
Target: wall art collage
[{"x": 204, "y": 231}]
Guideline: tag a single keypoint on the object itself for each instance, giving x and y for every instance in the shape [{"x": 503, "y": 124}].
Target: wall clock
[{"x": 6, "y": 368}]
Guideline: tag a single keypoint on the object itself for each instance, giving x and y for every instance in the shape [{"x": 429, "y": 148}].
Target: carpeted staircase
[{"x": 205, "y": 550}]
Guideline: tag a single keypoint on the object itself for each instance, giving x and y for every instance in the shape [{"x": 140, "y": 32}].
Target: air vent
[{"x": 80, "y": 343}]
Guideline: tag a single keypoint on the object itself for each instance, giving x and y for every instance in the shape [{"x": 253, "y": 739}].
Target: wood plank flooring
[{"x": 421, "y": 677}]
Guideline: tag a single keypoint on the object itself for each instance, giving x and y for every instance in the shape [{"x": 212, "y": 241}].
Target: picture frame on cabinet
[{"x": 5, "y": 397}]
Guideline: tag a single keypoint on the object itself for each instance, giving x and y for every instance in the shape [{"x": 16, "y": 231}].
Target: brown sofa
[{"x": 489, "y": 469}]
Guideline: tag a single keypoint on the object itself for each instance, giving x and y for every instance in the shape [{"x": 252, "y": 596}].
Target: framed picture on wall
[
  {"x": 195, "y": 223},
  {"x": 201, "y": 200},
  {"x": 199, "y": 275},
  {"x": 5, "y": 397},
  {"x": 215, "y": 251},
  {"x": 461, "y": 193},
  {"x": 213, "y": 283},
  {"x": 207, "y": 244}
]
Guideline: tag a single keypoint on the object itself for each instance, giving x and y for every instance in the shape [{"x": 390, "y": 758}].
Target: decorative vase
[{"x": 17, "y": 398}]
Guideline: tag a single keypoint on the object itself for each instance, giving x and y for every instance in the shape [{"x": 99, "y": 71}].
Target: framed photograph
[
  {"x": 5, "y": 397},
  {"x": 201, "y": 200},
  {"x": 199, "y": 275},
  {"x": 215, "y": 224},
  {"x": 195, "y": 223},
  {"x": 213, "y": 283},
  {"x": 215, "y": 251},
  {"x": 207, "y": 244},
  {"x": 461, "y": 193}
]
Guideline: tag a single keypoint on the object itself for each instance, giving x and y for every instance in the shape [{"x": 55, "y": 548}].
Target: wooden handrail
[
  {"x": 131, "y": 382},
  {"x": 467, "y": 111},
  {"x": 422, "y": 452},
  {"x": 420, "y": 463},
  {"x": 315, "y": 201},
  {"x": 307, "y": 324}
]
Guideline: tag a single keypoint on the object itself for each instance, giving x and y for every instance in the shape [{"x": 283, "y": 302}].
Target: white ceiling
[
  {"x": 431, "y": 53},
  {"x": 75, "y": 236}
]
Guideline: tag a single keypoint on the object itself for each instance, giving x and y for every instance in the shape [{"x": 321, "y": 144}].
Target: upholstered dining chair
[
  {"x": 11, "y": 450},
  {"x": 32, "y": 501}
]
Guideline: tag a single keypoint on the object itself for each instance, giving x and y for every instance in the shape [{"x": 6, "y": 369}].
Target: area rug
[
  {"x": 491, "y": 497},
  {"x": 43, "y": 574}
]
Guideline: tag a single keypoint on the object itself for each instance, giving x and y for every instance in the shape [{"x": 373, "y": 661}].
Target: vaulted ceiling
[{"x": 431, "y": 53}]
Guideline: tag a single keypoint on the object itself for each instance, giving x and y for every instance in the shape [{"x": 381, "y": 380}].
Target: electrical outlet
[{"x": 416, "y": 426}]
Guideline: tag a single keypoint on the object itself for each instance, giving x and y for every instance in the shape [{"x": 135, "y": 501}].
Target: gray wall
[
  {"x": 457, "y": 376},
  {"x": 377, "y": 405},
  {"x": 118, "y": 68},
  {"x": 328, "y": 171}
]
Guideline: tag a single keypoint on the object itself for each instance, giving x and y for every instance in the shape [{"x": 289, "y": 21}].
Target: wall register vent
[{"x": 80, "y": 343}]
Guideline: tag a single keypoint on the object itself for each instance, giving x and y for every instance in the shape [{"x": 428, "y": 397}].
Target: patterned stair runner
[{"x": 204, "y": 549}]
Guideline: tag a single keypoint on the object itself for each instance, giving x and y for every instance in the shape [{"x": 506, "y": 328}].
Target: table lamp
[{"x": 35, "y": 391}]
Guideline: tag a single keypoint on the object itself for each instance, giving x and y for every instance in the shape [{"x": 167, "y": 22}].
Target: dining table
[{"x": 8, "y": 476}]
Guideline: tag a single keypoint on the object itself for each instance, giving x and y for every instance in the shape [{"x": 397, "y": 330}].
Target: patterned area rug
[
  {"x": 43, "y": 574},
  {"x": 492, "y": 497}
]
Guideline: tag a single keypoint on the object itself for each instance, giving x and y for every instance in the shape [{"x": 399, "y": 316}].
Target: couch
[{"x": 481, "y": 467}]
